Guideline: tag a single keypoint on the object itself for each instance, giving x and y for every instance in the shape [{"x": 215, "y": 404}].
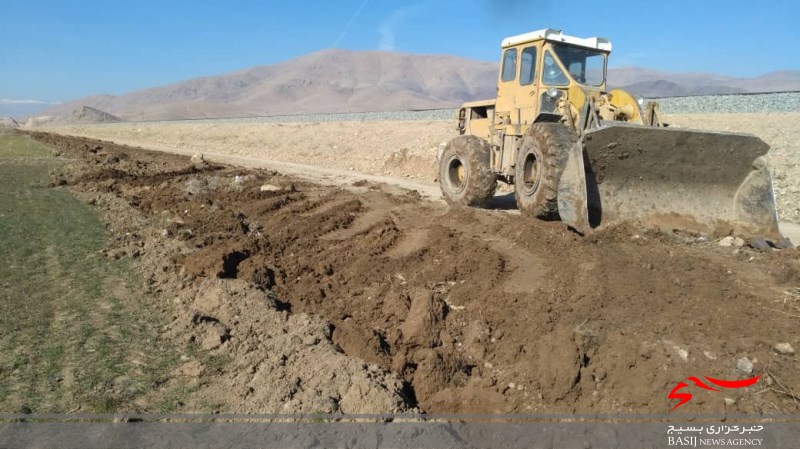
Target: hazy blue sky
[{"x": 54, "y": 50}]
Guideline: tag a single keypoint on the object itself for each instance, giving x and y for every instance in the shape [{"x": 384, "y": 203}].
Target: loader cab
[
  {"x": 519, "y": 77},
  {"x": 540, "y": 68}
]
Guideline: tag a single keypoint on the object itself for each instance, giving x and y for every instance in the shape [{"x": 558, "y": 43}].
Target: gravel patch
[{"x": 731, "y": 104}]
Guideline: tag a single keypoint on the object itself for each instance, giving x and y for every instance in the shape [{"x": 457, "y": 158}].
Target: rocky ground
[{"x": 321, "y": 299}]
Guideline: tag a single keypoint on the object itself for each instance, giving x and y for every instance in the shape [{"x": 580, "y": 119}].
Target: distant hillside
[
  {"x": 655, "y": 83},
  {"x": 88, "y": 115},
  {"x": 85, "y": 115},
  {"x": 350, "y": 81},
  {"x": 326, "y": 81}
]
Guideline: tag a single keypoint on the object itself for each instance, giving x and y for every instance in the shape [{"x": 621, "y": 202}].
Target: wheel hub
[
  {"x": 530, "y": 173},
  {"x": 456, "y": 173}
]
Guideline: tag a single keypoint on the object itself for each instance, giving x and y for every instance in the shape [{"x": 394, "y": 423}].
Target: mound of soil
[{"x": 360, "y": 300}]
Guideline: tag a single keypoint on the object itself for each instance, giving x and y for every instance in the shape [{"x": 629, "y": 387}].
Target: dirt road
[{"x": 363, "y": 300}]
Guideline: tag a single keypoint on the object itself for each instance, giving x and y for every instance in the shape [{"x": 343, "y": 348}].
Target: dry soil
[{"x": 357, "y": 300}]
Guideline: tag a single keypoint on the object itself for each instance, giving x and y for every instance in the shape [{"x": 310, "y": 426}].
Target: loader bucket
[{"x": 674, "y": 177}]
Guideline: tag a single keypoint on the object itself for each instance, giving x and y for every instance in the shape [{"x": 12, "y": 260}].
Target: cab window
[
  {"x": 509, "y": 71},
  {"x": 584, "y": 65},
  {"x": 552, "y": 75},
  {"x": 527, "y": 66}
]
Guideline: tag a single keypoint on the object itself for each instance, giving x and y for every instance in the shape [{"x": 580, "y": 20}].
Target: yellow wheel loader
[{"x": 577, "y": 152}]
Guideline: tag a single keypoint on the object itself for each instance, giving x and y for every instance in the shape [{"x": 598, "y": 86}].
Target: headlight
[{"x": 552, "y": 92}]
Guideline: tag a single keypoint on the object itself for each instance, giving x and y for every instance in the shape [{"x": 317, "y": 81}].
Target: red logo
[{"x": 686, "y": 397}]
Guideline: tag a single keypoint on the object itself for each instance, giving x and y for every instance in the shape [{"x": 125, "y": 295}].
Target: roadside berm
[{"x": 351, "y": 299}]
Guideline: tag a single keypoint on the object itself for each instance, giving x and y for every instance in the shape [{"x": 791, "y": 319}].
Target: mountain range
[{"x": 356, "y": 81}]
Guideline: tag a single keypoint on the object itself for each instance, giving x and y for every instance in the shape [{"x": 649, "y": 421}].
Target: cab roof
[{"x": 549, "y": 34}]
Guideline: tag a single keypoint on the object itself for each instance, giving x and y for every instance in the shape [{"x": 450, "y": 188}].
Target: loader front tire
[
  {"x": 540, "y": 161},
  {"x": 465, "y": 174}
]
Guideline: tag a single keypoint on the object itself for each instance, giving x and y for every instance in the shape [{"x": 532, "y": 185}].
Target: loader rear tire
[
  {"x": 540, "y": 161},
  {"x": 465, "y": 174}
]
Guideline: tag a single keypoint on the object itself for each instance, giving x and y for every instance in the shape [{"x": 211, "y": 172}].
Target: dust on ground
[{"x": 322, "y": 299}]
